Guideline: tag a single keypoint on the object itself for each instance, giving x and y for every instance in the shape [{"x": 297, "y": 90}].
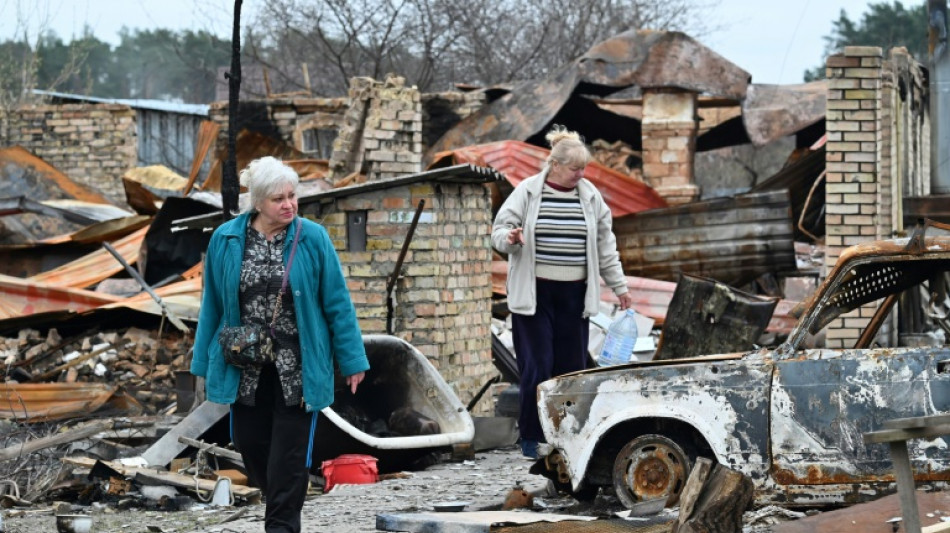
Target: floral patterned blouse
[{"x": 261, "y": 274}]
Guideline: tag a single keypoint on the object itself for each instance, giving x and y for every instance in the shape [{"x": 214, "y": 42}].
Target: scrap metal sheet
[
  {"x": 19, "y": 297},
  {"x": 37, "y": 402},
  {"x": 183, "y": 298},
  {"x": 732, "y": 240},
  {"x": 96, "y": 266}
]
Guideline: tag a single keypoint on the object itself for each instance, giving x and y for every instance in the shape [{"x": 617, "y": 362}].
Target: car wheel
[{"x": 650, "y": 467}]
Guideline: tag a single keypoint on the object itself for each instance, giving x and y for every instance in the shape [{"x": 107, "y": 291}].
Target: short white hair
[{"x": 265, "y": 176}]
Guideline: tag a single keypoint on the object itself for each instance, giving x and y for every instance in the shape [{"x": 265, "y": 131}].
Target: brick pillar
[
  {"x": 381, "y": 134},
  {"x": 669, "y": 143},
  {"x": 853, "y": 190}
]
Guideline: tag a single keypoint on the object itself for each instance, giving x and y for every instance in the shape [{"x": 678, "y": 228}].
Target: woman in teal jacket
[{"x": 274, "y": 407}]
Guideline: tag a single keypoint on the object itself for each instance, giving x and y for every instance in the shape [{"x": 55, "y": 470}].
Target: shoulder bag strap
[{"x": 283, "y": 283}]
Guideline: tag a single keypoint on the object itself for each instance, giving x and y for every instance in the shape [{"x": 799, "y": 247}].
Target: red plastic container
[{"x": 349, "y": 468}]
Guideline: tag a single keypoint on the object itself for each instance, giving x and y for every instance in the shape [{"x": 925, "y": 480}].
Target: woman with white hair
[
  {"x": 556, "y": 229},
  {"x": 276, "y": 275}
]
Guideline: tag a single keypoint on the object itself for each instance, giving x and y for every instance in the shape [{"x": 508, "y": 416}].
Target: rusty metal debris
[
  {"x": 732, "y": 240},
  {"x": 707, "y": 317}
]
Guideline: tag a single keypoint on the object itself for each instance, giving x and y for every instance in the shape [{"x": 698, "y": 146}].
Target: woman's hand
[
  {"x": 516, "y": 236},
  {"x": 354, "y": 381},
  {"x": 626, "y": 301}
]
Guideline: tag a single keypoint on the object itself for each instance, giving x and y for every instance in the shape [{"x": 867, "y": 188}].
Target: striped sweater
[{"x": 560, "y": 237}]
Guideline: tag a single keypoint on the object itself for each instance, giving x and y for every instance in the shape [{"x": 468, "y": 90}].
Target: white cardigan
[{"x": 520, "y": 210}]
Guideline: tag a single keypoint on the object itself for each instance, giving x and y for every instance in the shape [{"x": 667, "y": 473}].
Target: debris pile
[{"x": 132, "y": 359}]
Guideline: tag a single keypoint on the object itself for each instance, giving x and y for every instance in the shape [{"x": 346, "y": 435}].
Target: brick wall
[
  {"x": 443, "y": 298},
  {"x": 93, "y": 144},
  {"x": 855, "y": 188}
]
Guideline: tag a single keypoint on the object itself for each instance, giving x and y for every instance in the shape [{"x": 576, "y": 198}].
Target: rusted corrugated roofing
[
  {"x": 732, "y": 240},
  {"x": 519, "y": 160},
  {"x": 39, "y": 402},
  {"x": 19, "y": 297},
  {"x": 94, "y": 267}
]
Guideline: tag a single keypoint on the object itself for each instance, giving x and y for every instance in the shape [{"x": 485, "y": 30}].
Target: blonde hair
[
  {"x": 265, "y": 176},
  {"x": 567, "y": 147}
]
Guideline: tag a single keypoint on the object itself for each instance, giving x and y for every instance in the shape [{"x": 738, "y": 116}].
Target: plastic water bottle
[{"x": 621, "y": 337}]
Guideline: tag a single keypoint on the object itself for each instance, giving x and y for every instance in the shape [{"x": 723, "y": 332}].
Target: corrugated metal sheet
[
  {"x": 39, "y": 402},
  {"x": 519, "y": 160},
  {"x": 94, "y": 267},
  {"x": 732, "y": 240},
  {"x": 19, "y": 297},
  {"x": 24, "y": 174},
  {"x": 770, "y": 112}
]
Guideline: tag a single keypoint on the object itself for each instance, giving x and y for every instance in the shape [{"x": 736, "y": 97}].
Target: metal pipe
[
  {"x": 141, "y": 281},
  {"x": 391, "y": 282}
]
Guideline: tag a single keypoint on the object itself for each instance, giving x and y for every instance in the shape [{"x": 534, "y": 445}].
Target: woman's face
[
  {"x": 279, "y": 208},
  {"x": 566, "y": 175}
]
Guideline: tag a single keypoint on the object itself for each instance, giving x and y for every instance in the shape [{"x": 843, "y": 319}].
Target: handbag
[{"x": 251, "y": 345}]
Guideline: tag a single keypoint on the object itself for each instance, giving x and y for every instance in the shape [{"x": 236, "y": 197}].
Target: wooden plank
[
  {"x": 212, "y": 449},
  {"x": 694, "y": 485},
  {"x": 901, "y": 435},
  {"x": 937, "y": 528},
  {"x": 194, "y": 425},
  {"x": 916, "y": 422},
  {"x": 905, "y": 486},
  {"x": 465, "y": 522},
  {"x": 31, "y": 446},
  {"x": 725, "y": 497},
  {"x": 163, "y": 477}
]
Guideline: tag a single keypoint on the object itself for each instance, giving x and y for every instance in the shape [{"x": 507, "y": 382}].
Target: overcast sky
[{"x": 774, "y": 40}]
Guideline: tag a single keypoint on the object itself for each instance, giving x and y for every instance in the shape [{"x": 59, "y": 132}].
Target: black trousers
[
  {"x": 275, "y": 441},
  {"x": 551, "y": 342}
]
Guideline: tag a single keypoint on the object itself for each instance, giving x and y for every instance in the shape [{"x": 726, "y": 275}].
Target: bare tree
[
  {"x": 20, "y": 58},
  {"x": 434, "y": 43}
]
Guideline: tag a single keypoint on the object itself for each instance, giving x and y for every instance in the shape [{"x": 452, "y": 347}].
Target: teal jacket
[{"x": 326, "y": 318}]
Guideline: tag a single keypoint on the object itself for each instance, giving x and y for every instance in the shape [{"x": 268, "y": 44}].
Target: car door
[{"x": 823, "y": 401}]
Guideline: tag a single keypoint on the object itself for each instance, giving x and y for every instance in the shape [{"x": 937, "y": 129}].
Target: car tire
[{"x": 650, "y": 467}]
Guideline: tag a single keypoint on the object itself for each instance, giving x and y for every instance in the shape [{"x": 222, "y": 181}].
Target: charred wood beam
[
  {"x": 31, "y": 446},
  {"x": 229, "y": 179}
]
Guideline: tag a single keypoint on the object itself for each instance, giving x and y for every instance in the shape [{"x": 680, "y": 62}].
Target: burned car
[{"x": 790, "y": 418}]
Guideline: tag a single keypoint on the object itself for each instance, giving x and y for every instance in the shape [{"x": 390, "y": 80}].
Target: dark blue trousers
[{"x": 551, "y": 342}]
